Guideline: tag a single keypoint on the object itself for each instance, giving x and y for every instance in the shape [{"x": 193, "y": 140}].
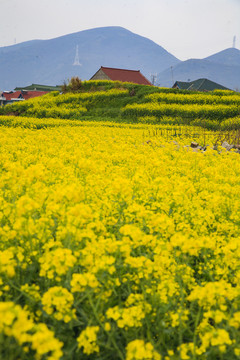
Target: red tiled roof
[
  {"x": 25, "y": 94},
  {"x": 11, "y": 95},
  {"x": 134, "y": 76},
  {"x": 31, "y": 94}
]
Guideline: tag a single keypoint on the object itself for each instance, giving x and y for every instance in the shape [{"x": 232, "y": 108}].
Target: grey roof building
[{"x": 199, "y": 85}]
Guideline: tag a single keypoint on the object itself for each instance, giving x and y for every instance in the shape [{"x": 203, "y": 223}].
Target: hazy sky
[{"x": 185, "y": 28}]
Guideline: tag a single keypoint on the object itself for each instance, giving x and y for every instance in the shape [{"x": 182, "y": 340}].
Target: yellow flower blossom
[
  {"x": 56, "y": 263},
  {"x": 16, "y": 322},
  {"x": 79, "y": 282},
  {"x": 7, "y": 263},
  {"x": 88, "y": 340},
  {"x": 139, "y": 350},
  {"x": 58, "y": 302}
]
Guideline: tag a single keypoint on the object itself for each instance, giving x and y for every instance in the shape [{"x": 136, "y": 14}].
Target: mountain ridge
[
  {"x": 50, "y": 62},
  {"x": 230, "y": 56}
]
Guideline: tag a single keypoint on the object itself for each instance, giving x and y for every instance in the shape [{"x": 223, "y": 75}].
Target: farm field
[
  {"x": 117, "y": 239},
  {"x": 132, "y": 103}
]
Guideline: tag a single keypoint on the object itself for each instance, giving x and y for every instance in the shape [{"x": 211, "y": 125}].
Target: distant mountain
[
  {"x": 223, "y": 68},
  {"x": 50, "y": 62},
  {"x": 229, "y": 57}
]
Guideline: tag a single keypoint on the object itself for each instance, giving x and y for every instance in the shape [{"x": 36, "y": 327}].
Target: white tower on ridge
[{"x": 76, "y": 60}]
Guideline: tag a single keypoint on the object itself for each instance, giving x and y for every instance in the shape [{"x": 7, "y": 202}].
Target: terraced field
[{"x": 131, "y": 103}]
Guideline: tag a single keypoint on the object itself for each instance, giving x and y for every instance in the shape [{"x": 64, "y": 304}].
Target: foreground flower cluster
[{"x": 116, "y": 243}]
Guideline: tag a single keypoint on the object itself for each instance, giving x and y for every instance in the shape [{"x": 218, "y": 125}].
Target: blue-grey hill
[
  {"x": 50, "y": 62},
  {"x": 222, "y": 68}
]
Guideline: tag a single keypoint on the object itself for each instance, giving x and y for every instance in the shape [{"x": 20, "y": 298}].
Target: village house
[
  {"x": 199, "y": 85},
  {"x": 25, "y": 93},
  {"x": 39, "y": 87},
  {"x": 8, "y": 97},
  {"x": 124, "y": 75}
]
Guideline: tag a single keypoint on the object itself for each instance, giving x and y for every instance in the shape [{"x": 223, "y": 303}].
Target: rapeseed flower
[
  {"x": 58, "y": 302},
  {"x": 124, "y": 243},
  {"x": 88, "y": 340}
]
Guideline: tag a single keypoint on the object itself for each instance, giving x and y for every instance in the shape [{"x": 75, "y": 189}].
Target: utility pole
[
  {"x": 172, "y": 75},
  {"x": 153, "y": 79}
]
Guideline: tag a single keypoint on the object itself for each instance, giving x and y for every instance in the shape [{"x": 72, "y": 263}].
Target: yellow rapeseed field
[{"x": 117, "y": 243}]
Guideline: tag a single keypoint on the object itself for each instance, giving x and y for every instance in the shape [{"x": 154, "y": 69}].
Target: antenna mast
[
  {"x": 234, "y": 41},
  {"x": 76, "y": 60}
]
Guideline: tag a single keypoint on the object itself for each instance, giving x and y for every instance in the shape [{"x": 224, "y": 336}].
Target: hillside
[
  {"x": 132, "y": 103},
  {"x": 50, "y": 62}
]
